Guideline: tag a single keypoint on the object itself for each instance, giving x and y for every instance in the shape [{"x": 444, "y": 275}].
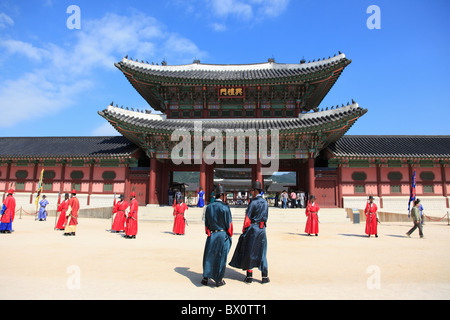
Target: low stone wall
[
  {"x": 389, "y": 216},
  {"x": 98, "y": 213}
]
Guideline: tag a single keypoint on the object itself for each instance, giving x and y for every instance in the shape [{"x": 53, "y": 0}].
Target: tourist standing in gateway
[
  {"x": 219, "y": 228},
  {"x": 7, "y": 212},
  {"x": 251, "y": 249}
]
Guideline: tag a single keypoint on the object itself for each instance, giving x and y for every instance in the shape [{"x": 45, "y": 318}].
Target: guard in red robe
[
  {"x": 120, "y": 217},
  {"x": 7, "y": 212},
  {"x": 132, "y": 223},
  {"x": 62, "y": 207},
  {"x": 72, "y": 215},
  {"x": 179, "y": 212},
  {"x": 371, "y": 218},
  {"x": 312, "y": 212}
]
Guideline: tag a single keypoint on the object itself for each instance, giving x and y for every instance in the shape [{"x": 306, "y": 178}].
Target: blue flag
[{"x": 412, "y": 193}]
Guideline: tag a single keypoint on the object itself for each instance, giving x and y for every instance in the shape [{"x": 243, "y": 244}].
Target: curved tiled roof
[
  {"x": 227, "y": 72},
  {"x": 66, "y": 147},
  {"x": 159, "y": 122},
  {"x": 412, "y": 146}
]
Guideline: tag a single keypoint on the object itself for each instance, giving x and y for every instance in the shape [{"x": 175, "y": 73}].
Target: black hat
[
  {"x": 220, "y": 190},
  {"x": 121, "y": 196},
  {"x": 370, "y": 197},
  {"x": 256, "y": 185},
  {"x": 312, "y": 197}
]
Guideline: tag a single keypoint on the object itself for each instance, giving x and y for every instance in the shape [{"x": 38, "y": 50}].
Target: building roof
[
  {"x": 401, "y": 146},
  {"x": 151, "y": 123},
  {"x": 217, "y": 73},
  {"x": 65, "y": 147},
  {"x": 148, "y": 78}
]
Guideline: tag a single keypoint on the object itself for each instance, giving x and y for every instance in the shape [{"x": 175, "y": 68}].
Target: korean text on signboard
[{"x": 231, "y": 92}]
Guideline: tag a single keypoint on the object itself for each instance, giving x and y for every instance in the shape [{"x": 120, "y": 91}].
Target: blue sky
[{"x": 53, "y": 79}]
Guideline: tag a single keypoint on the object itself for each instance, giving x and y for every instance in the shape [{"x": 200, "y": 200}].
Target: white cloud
[
  {"x": 68, "y": 71},
  {"x": 224, "y": 8},
  {"x": 24, "y": 48},
  {"x": 271, "y": 8},
  {"x": 248, "y": 9},
  {"x": 218, "y": 26},
  {"x": 245, "y": 10},
  {"x": 5, "y": 20}
]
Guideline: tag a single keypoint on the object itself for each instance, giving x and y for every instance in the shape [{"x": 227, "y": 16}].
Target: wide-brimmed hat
[
  {"x": 256, "y": 185},
  {"x": 220, "y": 190}
]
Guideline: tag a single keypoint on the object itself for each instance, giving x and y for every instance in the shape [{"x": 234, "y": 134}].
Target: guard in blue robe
[
  {"x": 43, "y": 209},
  {"x": 219, "y": 228},
  {"x": 201, "y": 198},
  {"x": 251, "y": 250}
]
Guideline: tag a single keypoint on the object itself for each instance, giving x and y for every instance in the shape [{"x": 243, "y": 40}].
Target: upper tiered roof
[{"x": 146, "y": 78}]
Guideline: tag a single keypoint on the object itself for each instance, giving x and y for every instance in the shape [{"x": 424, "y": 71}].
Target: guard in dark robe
[
  {"x": 251, "y": 249},
  {"x": 219, "y": 228}
]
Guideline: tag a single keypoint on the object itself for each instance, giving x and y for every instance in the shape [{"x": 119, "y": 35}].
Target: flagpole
[{"x": 38, "y": 195}]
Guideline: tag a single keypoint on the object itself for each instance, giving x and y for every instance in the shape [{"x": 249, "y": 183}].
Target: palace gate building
[{"x": 229, "y": 113}]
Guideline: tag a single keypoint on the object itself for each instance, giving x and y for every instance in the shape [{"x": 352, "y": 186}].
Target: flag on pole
[
  {"x": 39, "y": 189},
  {"x": 412, "y": 193}
]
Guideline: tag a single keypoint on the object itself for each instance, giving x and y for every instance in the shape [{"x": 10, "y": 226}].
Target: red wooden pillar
[
  {"x": 339, "y": 187},
  {"x": 209, "y": 182},
  {"x": 379, "y": 195},
  {"x": 152, "y": 182},
  {"x": 311, "y": 176},
  {"x": 259, "y": 176},
  {"x": 203, "y": 175},
  {"x": 164, "y": 184},
  {"x": 444, "y": 183},
  {"x": 91, "y": 177}
]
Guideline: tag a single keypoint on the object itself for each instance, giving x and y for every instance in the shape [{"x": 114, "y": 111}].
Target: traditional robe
[
  {"x": 120, "y": 218},
  {"x": 62, "y": 207},
  {"x": 72, "y": 214},
  {"x": 371, "y": 218},
  {"x": 251, "y": 250},
  {"x": 219, "y": 228},
  {"x": 179, "y": 223},
  {"x": 7, "y": 212},
  {"x": 43, "y": 209},
  {"x": 201, "y": 199},
  {"x": 132, "y": 224},
  {"x": 312, "y": 223}
]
